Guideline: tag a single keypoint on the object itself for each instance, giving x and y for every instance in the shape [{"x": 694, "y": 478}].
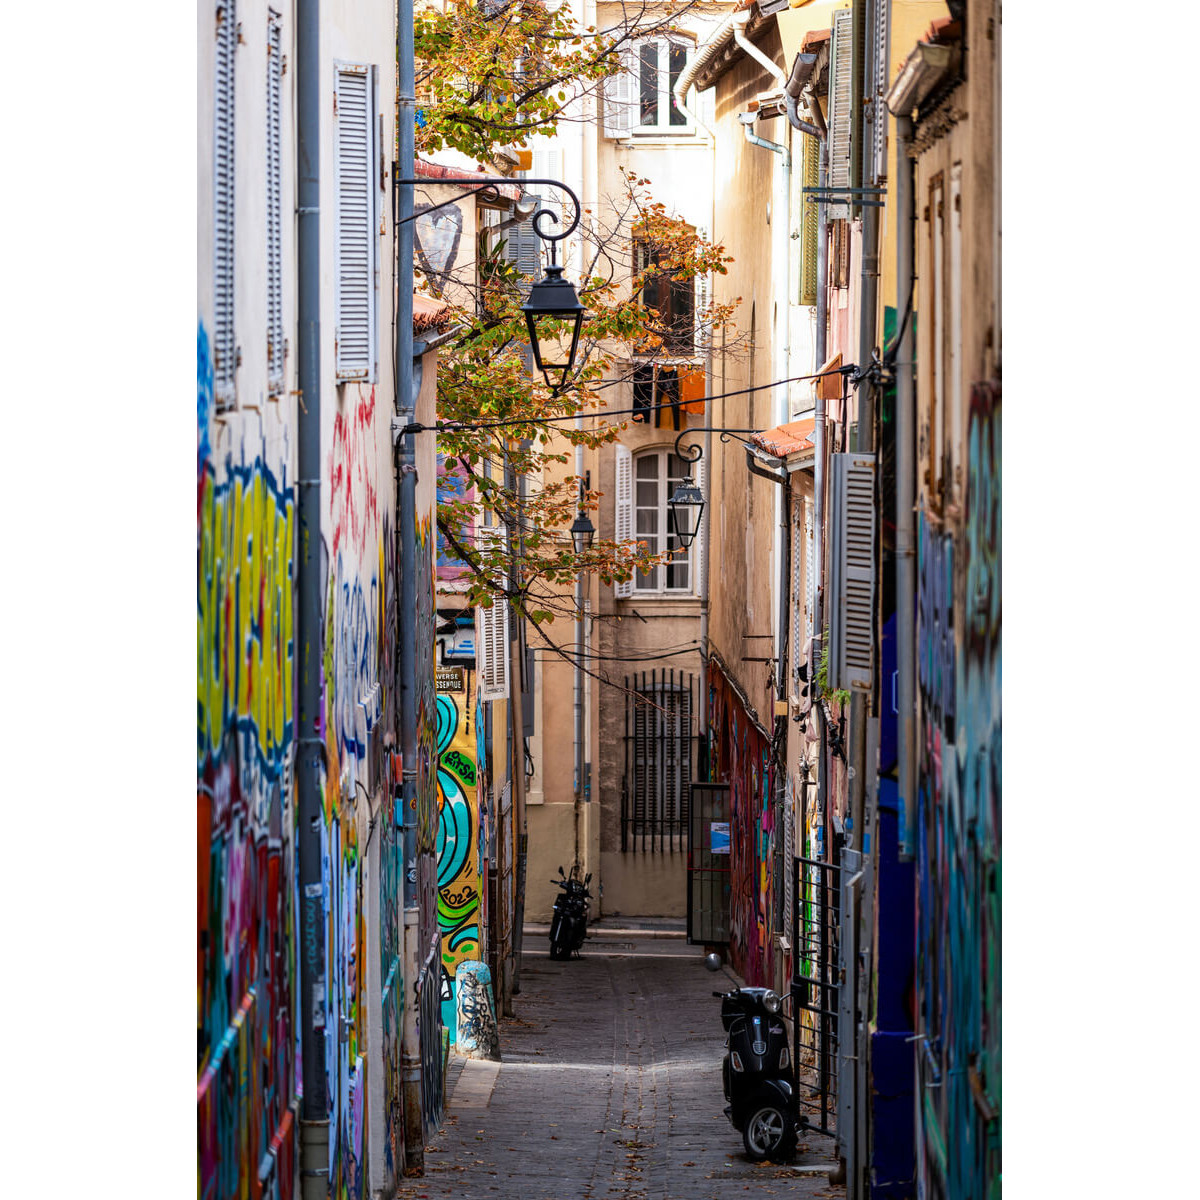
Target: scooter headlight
[
  {"x": 735, "y": 1061},
  {"x": 771, "y": 1001}
]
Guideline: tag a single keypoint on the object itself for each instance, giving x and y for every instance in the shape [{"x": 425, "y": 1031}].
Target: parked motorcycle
[
  {"x": 568, "y": 926},
  {"x": 756, "y": 1071}
]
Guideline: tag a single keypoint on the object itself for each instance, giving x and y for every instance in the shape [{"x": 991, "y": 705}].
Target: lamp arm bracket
[
  {"x": 490, "y": 190},
  {"x": 693, "y": 453}
]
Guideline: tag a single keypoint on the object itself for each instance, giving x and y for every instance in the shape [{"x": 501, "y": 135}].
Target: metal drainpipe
[
  {"x": 905, "y": 486},
  {"x": 314, "y": 1120},
  {"x": 414, "y": 1149}
]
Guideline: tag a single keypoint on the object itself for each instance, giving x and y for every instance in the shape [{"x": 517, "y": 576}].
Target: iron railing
[{"x": 815, "y": 914}]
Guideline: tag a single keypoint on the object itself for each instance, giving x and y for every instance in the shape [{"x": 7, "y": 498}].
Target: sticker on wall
[{"x": 718, "y": 837}]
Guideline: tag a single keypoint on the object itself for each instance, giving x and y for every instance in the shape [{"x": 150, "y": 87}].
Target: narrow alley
[{"x": 610, "y": 1085}]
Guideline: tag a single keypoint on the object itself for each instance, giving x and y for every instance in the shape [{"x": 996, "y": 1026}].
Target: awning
[{"x": 787, "y": 441}]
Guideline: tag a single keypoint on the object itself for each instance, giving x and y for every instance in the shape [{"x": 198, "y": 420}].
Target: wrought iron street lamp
[
  {"x": 554, "y": 316},
  {"x": 583, "y": 533},
  {"x": 552, "y": 310},
  {"x": 686, "y": 497}
]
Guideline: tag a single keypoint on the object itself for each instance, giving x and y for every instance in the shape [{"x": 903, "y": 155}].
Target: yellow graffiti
[{"x": 244, "y": 620}]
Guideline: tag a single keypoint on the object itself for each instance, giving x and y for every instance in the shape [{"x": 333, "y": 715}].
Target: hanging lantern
[{"x": 553, "y": 304}]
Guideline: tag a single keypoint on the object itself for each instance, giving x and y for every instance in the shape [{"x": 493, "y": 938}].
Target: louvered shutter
[
  {"x": 491, "y": 631},
  {"x": 810, "y": 162},
  {"x": 224, "y": 250},
  {"x": 810, "y": 574},
  {"x": 876, "y": 166},
  {"x": 354, "y": 224},
  {"x": 619, "y": 99},
  {"x": 794, "y": 606},
  {"x": 491, "y": 650},
  {"x": 523, "y": 250},
  {"x": 838, "y": 142},
  {"x": 624, "y": 510},
  {"x": 851, "y": 570},
  {"x": 274, "y": 202},
  {"x": 701, "y": 327},
  {"x": 701, "y": 480}
]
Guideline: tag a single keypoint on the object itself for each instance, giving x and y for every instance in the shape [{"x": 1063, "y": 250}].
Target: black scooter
[
  {"x": 568, "y": 926},
  {"x": 756, "y": 1071}
]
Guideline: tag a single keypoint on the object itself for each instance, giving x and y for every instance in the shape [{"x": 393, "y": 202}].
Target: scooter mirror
[
  {"x": 562, "y": 872},
  {"x": 713, "y": 961}
]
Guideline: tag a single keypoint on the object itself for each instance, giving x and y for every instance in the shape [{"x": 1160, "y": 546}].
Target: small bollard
[{"x": 478, "y": 1035}]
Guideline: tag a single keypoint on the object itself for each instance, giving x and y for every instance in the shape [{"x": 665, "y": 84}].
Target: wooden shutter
[
  {"x": 851, "y": 570},
  {"x": 699, "y": 585},
  {"x": 810, "y": 573},
  {"x": 877, "y": 85},
  {"x": 838, "y": 142},
  {"x": 523, "y": 250},
  {"x": 810, "y": 162},
  {"x": 492, "y": 631},
  {"x": 624, "y": 510},
  {"x": 224, "y": 250},
  {"x": 491, "y": 650},
  {"x": 354, "y": 223},
  {"x": 620, "y": 97},
  {"x": 274, "y": 202},
  {"x": 702, "y": 330}
]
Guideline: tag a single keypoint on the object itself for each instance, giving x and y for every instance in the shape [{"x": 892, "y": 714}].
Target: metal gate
[
  {"x": 816, "y": 910},
  {"x": 708, "y": 864}
]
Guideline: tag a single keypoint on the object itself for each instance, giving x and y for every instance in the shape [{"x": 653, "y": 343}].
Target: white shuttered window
[
  {"x": 839, "y": 140},
  {"x": 355, "y": 246},
  {"x": 624, "y": 510},
  {"x": 224, "y": 251},
  {"x": 275, "y": 335},
  {"x": 851, "y": 592}
]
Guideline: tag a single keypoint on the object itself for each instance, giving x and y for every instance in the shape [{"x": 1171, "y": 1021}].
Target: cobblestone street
[{"x": 609, "y": 1086}]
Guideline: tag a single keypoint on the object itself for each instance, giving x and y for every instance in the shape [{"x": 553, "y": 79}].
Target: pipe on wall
[
  {"x": 314, "y": 1122},
  {"x": 905, "y": 488}
]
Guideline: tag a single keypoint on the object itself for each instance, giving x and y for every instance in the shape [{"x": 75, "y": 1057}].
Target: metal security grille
[
  {"x": 224, "y": 330},
  {"x": 659, "y": 761},
  {"x": 815, "y": 915}
]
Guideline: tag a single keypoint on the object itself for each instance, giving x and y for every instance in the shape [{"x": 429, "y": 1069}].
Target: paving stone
[{"x": 609, "y": 1086}]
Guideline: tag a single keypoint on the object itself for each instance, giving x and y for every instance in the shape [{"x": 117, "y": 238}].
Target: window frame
[
  {"x": 661, "y": 535},
  {"x": 666, "y": 98},
  {"x": 671, "y": 351}
]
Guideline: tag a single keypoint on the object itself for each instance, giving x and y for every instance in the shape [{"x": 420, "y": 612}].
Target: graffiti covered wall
[
  {"x": 958, "y": 835},
  {"x": 458, "y": 841},
  {"x": 246, "y": 964},
  {"x": 740, "y": 756}
]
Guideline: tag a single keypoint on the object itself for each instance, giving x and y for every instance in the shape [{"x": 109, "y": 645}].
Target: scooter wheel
[{"x": 768, "y": 1133}]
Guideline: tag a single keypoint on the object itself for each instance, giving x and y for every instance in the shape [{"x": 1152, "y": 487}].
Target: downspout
[
  {"x": 739, "y": 21},
  {"x": 314, "y": 1116},
  {"x": 905, "y": 491},
  {"x": 406, "y": 403}
]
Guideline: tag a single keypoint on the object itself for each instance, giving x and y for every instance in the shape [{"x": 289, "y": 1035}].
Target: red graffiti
[{"x": 353, "y": 471}]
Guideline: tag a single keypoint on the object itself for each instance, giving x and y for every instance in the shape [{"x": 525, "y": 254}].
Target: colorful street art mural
[
  {"x": 740, "y": 756},
  {"x": 247, "y": 1062},
  {"x": 458, "y": 843},
  {"x": 958, "y": 835}
]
